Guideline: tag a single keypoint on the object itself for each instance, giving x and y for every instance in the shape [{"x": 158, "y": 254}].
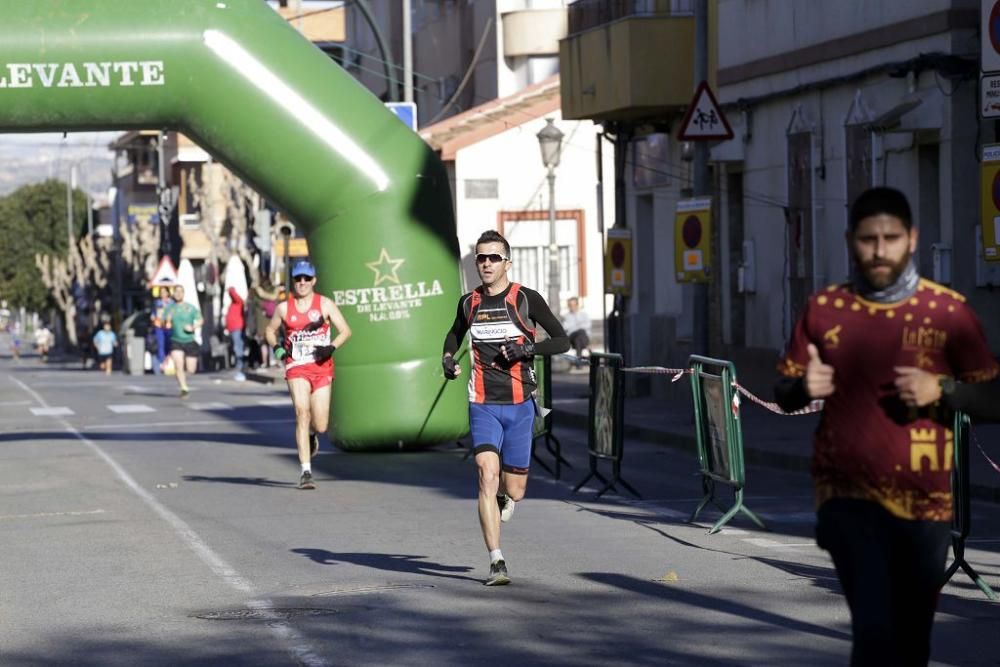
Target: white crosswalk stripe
[
  {"x": 52, "y": 412},
  {"x": 130, "y": 408},
  {"x": 210, "y": 406},
  {"x": 275, "y": 401},
  {"x": 774, "y": 544}
]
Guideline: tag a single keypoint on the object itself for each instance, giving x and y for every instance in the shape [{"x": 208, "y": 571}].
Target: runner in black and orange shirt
[
  {"x": 881, "y": 462},
  {"x": 500, "y": 317}
]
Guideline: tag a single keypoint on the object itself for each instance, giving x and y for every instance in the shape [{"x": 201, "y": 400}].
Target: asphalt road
[{"x": 142, "y": 529}]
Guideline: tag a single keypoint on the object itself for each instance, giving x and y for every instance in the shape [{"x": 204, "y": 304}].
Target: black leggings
[{"x": 891, "y": 570}]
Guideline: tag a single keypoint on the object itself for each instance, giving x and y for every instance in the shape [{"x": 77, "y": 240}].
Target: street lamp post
[{"x": 550, "y": 141}]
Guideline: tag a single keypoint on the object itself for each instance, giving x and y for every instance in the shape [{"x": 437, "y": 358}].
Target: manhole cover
[
  {"x": 277, "y": 614},
  {"x": 369, "y": 589}
]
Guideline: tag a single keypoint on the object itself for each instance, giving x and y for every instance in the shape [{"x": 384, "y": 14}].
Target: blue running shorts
[{"x": 506, "y": 430}]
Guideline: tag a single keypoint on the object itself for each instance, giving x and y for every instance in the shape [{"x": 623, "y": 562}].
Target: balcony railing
[{"x": 587, "y": 14}]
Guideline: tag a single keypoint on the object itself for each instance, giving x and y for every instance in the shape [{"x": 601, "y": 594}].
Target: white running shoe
[{"x": 506, "y": 507}]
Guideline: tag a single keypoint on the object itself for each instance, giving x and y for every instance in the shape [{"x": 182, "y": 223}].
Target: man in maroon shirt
[{"x": 881, "y": 463}]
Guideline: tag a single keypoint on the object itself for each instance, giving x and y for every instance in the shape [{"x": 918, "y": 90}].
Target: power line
[{"x": 759, "y": 197}]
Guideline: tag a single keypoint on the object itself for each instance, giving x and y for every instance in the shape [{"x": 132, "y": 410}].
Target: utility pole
[
  {"x": 165, "y": 207},
  {"x": 700, "y": 175},
  {"x": 407, "y": 52},
  {"x": 69, "y": 207}
]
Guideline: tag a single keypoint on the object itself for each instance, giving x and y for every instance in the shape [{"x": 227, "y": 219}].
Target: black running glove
[
  {"x": 518, "y": 351},
  {"x": 450, "y": 367},
  {"x": 323, "y": 352}
]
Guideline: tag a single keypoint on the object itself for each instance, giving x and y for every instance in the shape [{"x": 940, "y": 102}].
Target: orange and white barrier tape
[{"x": 814, "y": 406}]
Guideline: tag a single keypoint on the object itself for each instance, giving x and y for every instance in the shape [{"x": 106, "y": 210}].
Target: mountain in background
[{"x": 23, "y": 163}]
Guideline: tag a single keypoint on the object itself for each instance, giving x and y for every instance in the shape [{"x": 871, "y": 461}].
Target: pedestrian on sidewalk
[
  {"x": 105, "y": 342},
  {"x": 308, "y": 354},
  {"x": 501, "y": 316},
  {"x": 880, "y": 463},
  {"x": 576, "y": 322},
  {"x": 183, "y": 320},
  {"x": 235, "y": 322}
]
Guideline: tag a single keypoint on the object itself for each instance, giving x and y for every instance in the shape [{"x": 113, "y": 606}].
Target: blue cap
[{"x": 303, "y": 267}]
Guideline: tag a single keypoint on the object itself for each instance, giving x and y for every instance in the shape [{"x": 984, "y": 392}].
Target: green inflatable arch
[{"x": 373, "y": 199}]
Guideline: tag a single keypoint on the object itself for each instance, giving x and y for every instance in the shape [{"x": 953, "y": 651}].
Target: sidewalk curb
[{"x": 752, "y": 455}]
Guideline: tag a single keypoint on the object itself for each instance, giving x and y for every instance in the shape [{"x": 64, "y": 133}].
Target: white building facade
[
  {"x": 824, "y": 101},
  {"x": 500, "y": 183}
]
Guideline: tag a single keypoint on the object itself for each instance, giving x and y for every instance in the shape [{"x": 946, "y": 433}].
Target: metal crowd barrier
[
  {"x": 606, "y": 416},
  {"x": 961, "y": 521},
  {"x": 719, "y": 436},
  {"x": 542, "y": 428}
]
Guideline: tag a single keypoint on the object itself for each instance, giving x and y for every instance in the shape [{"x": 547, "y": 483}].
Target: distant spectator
[
  {"x": 105, "y": 342},
  {"x": 268, "y": 297},
  {"x": 577, "y": 325},
  {"x": 235, "y": 323},
  {"x": 158, "y": 319}
]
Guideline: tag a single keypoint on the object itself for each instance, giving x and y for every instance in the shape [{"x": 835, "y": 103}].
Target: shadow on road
[
  {"x": 251, "y": 481},
  {"x": 388, "y": 562}
]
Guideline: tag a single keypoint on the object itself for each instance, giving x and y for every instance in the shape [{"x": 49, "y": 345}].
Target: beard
[{"x": 881, "y": 280}]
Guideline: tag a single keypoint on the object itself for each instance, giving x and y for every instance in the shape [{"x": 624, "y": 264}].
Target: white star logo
[{"x": 385, "y": 268}]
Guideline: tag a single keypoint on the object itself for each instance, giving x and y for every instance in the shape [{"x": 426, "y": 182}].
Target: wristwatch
[{"x": 947, "y": 385}]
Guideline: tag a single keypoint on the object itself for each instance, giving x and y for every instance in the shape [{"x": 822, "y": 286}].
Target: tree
[
  {"x": 226, "y": 205},
  {"x": 84, "y": 270},
  {"x": 32, "y": 222}
]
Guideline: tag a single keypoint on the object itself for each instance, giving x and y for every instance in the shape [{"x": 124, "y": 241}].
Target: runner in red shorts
[{"x": 308, "y": 353}]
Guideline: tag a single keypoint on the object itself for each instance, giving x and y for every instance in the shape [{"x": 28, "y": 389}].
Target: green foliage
[{"x": 33, "y": 220}]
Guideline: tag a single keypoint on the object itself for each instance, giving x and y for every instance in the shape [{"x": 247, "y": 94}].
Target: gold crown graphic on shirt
[{"x": 923, "y": 434}]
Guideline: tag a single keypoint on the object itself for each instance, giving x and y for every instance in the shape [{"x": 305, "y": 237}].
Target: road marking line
[
  {"x": 13, "y": 404},
  {"x": 210, "y": 406},
  {"x": 773, "y": 544},
  {"x": 732, "y": 531},
  {"x": 50, "y": 412},
  {"x": 275, "y": 401},
  {"x": 64, "y": 385},
  {"x": 130, "y": 408},
  {"x": 214, "y": 422},
  {"x": 298, "y": 647},
  {"x": 44, "y": 515}
]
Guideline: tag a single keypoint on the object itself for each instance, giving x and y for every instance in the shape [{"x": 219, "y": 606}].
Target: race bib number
[
  {"x": 495, "y": 331},
  {"x": 304, "y": 345}
]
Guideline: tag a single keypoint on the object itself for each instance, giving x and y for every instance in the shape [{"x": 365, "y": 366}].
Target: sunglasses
[
  {"x": 494, "y": 258},
  {"x": 302, "y": 279}
]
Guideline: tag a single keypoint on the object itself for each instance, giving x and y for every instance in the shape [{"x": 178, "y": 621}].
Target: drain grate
[
  {"x": 369, "y": 589},
  {"x": 276, "y": 614}
]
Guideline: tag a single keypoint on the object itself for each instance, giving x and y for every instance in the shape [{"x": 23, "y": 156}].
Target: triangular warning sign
[
  {"x": 704, "y": 119},
  {"x": 165, "y": 275}
]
